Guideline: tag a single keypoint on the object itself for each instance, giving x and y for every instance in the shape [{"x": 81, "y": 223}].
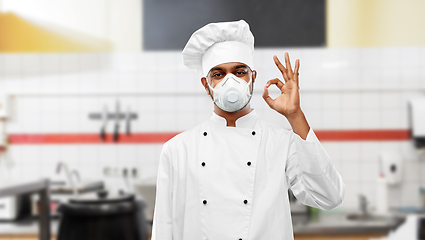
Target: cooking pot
[{"x": 102, "y": 216}]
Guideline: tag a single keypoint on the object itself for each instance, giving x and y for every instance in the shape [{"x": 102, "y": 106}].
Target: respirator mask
[{"x": 232, "y": 93}]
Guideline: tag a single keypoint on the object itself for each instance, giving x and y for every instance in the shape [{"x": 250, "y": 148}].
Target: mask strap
[
  {"x": 248, "y": 85},
  {"x": 210, "y": 86}
]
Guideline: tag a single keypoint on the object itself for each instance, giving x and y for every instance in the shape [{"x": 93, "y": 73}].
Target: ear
[
  {"x": 254, "y": 75},
  {"x": 205, "y": 84}
]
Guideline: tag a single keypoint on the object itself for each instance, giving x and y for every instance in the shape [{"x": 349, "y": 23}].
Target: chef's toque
[{"x": 218, "y": 43}]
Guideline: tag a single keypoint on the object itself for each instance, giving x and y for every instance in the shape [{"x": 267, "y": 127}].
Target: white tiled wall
[{"x": 357, "y": 88}]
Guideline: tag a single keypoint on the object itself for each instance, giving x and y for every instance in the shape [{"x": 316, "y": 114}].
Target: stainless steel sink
[
  {"x": 366, "y": 217},
  {"x": 371, "y": 218},
  {"x": 84, "y": 187}
]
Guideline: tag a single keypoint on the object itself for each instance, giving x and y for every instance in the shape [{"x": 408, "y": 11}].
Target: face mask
[{"x": 232, "y": 93}]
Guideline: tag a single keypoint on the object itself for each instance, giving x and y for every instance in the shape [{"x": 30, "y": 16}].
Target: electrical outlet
[
  {"x": 134, "y": 173},
  {"x": 125, "y": 172},
  {"x": 107, "y": 171},
  {"x": 118, "y": 172}
]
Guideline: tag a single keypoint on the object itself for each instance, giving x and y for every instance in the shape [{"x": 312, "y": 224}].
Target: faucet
[
  {"x": 363, "y": 204},
  {"x": 68, "y": 176},
  {"x": 77, "y": 175}
]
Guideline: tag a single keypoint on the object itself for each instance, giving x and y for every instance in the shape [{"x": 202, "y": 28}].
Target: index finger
[{"x": 276, "y": 82}]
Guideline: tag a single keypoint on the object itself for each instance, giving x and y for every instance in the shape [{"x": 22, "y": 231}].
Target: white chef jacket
[{"x": 228, "y": 183}]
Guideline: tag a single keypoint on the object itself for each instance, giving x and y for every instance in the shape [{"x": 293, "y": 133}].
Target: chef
[{"x": 228, "y": 178}]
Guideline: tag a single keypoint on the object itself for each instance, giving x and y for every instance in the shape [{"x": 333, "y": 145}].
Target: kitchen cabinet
[
  {"x": 22, "y": 237},
  {"x": 337, "y": 237}
]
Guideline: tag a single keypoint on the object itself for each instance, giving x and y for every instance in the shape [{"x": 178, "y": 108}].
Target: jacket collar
[{"x": 246, "y": 121}]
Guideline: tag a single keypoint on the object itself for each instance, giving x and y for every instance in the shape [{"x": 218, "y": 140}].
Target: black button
[
  {"x": 240, "y": 238},
  {"x": 203, "y": 164},
  {"x": 205, "y": 133},
  {"x": 204, "y": 202},
  {"x": 253, "y": 133},
  {"x": 245, "y": 201},
  {"x": 248, "y": 163}
]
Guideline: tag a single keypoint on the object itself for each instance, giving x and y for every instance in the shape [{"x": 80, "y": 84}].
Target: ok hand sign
[{"x": 288, "y": 103}]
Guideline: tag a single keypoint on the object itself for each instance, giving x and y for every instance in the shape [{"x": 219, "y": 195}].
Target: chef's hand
[{"x": 288, "y": 103}]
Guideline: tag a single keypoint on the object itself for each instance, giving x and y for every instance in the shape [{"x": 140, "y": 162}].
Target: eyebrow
[
  {"x": 216, "y": 68},
  {"x": 221, "y": 69},
  {"x": 239, "y": 66}
]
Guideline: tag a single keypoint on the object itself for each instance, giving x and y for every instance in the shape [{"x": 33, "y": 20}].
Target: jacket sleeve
[
  {"x": 310, "y": 174},
  {"x": 162, "y": 220}
]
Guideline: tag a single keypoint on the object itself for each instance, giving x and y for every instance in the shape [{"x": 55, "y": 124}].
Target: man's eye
[
  {"x": 216, "y": 75},
  {"x": 241, "y": 73}
]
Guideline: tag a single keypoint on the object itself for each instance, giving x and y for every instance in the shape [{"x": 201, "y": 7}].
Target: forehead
[{"x": 229, "y": 66}]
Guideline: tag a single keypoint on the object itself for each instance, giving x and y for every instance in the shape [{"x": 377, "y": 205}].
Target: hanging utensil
[
  {"x": 117, "y": 122},
  {"x": 128, "y": 120},
  {"x": 102, "y": 134}
]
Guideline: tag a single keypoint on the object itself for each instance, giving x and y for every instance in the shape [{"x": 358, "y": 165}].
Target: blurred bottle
[{"x": 381, "y": 195}]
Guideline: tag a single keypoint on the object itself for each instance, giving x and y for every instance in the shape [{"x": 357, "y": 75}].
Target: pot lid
[{"x": 102, "y": 197}]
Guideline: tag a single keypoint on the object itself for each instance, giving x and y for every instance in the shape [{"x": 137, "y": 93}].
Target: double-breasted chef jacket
[{"x": 228, "y": 183}]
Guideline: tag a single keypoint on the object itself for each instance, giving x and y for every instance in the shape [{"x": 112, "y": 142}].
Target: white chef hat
[{"x": 218, "y": 43}]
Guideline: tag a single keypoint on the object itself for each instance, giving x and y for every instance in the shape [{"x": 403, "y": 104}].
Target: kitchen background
[{"x": 361, "y": 81}]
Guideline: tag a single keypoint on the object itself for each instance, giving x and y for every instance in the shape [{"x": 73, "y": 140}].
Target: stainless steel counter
[
  {"x": 338, "y": 223},
  {"x": 325, "y": 224}
]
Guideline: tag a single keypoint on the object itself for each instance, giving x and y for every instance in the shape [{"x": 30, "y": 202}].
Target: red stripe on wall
[
  {"x": 88, "y": 138},
  {"x": 363, "y": 135},
  {"x": 146, "y": 138}
]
